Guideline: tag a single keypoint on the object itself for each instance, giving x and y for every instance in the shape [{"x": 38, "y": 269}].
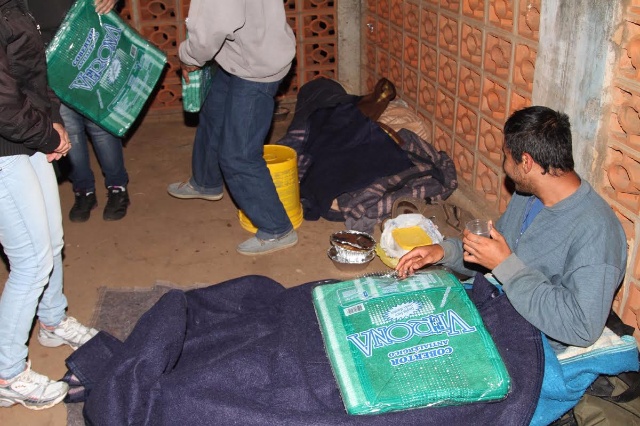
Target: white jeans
[{"x": 31, "y": 236}]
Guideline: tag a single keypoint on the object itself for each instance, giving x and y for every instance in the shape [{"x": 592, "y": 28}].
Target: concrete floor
[{"x": 184, "y": 242}]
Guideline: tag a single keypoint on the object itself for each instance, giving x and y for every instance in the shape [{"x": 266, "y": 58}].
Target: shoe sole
[
  {"x": 55, "y": 343},
  {"x": 78, "y": 220},
  {"x": 9, "y": 402},
  {"x": 282, "y": 247},
  {"x": 112, "y": 218},
  {"x": 82, "y": 219},
  {"x": 199, "y": 196}
]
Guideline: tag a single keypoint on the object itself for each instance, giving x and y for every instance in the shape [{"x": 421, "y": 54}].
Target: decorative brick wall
[
  {"x": 621, "y": 183},
  {"x": 315, "y": 26},
  {"x": 162, "y": 22},
  {"x": 464, "y": 66}
]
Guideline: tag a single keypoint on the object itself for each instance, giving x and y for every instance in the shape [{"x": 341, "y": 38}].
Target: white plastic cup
[{"x": 479, "y": 227}]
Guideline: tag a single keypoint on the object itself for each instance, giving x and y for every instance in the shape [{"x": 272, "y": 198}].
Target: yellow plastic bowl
[{"x": 391, "y": 262}]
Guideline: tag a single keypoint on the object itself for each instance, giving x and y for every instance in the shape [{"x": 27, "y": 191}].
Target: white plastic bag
[{"x": 389, "y": 244}]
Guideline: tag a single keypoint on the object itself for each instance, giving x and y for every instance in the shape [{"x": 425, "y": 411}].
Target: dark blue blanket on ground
[
  {"x": 249, "y": 352},
  {"x": 346, "y": 152}
]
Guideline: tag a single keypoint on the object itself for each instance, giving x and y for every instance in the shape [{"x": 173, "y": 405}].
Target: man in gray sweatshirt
[
  {"x": 254, "y": 46},
  {"x": 558, "y": 250}
]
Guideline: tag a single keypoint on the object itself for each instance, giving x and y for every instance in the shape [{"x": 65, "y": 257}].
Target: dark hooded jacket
[
  {"x": 28, "y": 107},
  {"x": 49, "y": 14}
]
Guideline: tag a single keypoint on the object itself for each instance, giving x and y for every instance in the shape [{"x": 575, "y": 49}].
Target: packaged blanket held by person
[
  {"x": 102, "y": 68},
  {"x": 399, "y": 344},
  {"x": 195, "y": 91}
]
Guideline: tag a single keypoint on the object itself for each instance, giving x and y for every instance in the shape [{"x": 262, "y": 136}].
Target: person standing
[
  {"x": 254, "y": 48},
  {"x": 108, "y": 148},
  {"x": 31, "y": 137},
  {"x": 558, "y": 250}
]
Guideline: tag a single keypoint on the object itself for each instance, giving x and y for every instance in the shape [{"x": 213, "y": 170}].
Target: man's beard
[{"x": 520, "y": 184}]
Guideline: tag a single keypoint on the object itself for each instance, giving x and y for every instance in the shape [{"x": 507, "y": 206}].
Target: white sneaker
[
  {"x": 68, "y": 332},
  {"x": 32, "y": 390}
]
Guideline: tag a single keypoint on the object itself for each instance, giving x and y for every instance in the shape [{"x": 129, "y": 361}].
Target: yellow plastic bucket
[{"x": 283, "y": 166}]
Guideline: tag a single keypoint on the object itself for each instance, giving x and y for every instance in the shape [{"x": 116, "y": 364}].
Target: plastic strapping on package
[
  {"x": 102, "y": 68},
  {"x": 195, "y": 92},
  {"x": 400, "y": 344}
]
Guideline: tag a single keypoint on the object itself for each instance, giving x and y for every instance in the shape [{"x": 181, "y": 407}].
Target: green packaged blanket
[
  {"x": 102, "y": 68},
  {"x": 195, "y": 91},
  {"x": 400, "y": 344}
]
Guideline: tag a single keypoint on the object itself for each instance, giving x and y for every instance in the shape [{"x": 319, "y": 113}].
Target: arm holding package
[
  {"x": 209, "y": 24},
  {"x": 21, "y": 121}
]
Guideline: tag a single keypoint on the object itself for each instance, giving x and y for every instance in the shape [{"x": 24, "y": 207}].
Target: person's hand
[
  {"x": 105, "y": 6},
  {"x": 186, "y": 69},
  {"x": 488, "y": 252},
  {"x": 65, "y": 143},
  {"x": 53, "y": 156},
  {"x": 418, "y": 258}
]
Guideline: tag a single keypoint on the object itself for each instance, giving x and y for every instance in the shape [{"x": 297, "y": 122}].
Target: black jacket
[
  {"x": 49, "y": 14},
  {"x": 28, "y": 107}
]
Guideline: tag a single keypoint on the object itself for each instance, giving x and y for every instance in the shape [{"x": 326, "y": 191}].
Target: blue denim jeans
[
  {"x": 108, "y": 149},
  {"x": 31, "y": 235},
  {"x": 233, "y": 125}
]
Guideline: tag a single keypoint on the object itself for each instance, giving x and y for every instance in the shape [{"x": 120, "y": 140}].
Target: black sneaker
[
  {"x": 117, "y": 203},
  {"x": 81, "y": 210}
]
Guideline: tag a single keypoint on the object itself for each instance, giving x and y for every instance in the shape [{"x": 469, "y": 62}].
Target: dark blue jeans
[
  {"x": 108, "y": 149},
  {"x": 233, "y": 125}
]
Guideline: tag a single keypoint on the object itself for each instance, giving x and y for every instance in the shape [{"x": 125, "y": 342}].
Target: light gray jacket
[
  {"x": 564, "y": 272},
  {"x": 250, "y": 39}
]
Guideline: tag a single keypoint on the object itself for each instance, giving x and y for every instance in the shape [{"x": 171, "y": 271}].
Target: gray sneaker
[
  {"x": 32, "y": 390},
  {"x": 68, "y": 332},
  {"x": 185, "y": 191},
  {"x": 255, "y": 246}
]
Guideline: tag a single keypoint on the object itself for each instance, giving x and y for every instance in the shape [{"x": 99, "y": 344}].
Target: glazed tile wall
[
  {"x": 162, "y": 23},
  {"x": 464, "y": 66},
  {"x": 621, "y": 182}
]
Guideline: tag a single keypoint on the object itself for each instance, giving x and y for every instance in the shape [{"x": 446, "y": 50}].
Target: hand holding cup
[{"x": 479, "y": 227}]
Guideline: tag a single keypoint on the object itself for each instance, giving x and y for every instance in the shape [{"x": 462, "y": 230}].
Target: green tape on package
[
  {"x": 102, "y": 68},
  {"x": 195, "y": 91},
  {"x": 400, "y": 344}
]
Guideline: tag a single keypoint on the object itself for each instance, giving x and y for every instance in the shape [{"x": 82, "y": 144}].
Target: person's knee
[{"x": 35, "y": 269}]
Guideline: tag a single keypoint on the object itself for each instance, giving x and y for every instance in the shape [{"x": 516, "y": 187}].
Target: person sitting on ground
[
  {"x": 558, "y": 250},
  {"x": 31, "y": 137}
]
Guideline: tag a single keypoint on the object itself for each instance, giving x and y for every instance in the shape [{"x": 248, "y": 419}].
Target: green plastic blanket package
[
  {"x": 195, "y": 91},
  {"x": 401, "y": 344},
  {"x": 102, "y": 68}
]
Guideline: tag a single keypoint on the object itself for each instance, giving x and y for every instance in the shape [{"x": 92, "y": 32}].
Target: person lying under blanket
[{"x": 352, "y": 167}]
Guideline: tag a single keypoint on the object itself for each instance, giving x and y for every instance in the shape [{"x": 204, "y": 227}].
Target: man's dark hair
[{"x": 544, "y": 134}]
